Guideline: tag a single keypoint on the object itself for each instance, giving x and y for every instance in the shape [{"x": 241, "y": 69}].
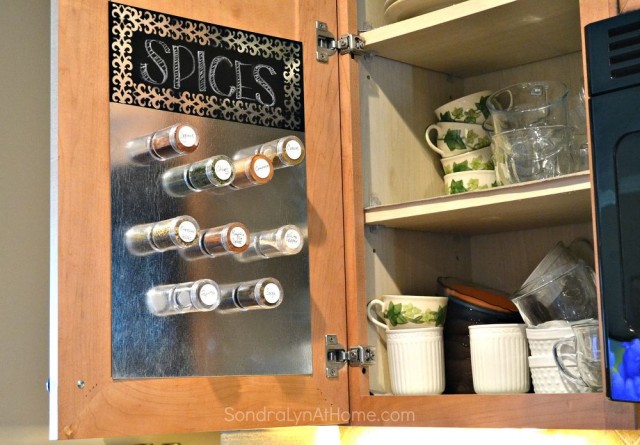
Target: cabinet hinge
[
  {"x": 327, "y": 45},
  {"x": 336, "y": 355}
]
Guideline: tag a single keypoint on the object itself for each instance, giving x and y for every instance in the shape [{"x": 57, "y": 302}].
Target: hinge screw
[{"x": 80, "y": 384}]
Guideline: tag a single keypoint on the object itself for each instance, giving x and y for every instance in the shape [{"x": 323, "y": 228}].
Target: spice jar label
[
  {"x": 292, "y": 239},
  {"x": 238, "y": 237},
  {"x": 293, "y": 149},
  {"x": 187, "y": 231},
  {"x": 262, "y": 168},
  {"x": 209, "y": 295},
  {"x": 271, "y": 293},
  {"x": 187, "y": 136},
  {"x": 223, "y": 169}
]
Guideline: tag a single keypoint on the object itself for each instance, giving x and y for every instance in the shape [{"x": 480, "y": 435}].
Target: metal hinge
[
  {"x": 337, "y": 355},
  {"x": 327, "y": 45}
]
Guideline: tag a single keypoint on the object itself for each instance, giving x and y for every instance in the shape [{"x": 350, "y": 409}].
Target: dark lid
[{"x": 476, "y": 295}]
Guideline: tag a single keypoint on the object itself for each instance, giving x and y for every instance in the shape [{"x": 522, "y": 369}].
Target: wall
[{"x": 24, "y": 200}]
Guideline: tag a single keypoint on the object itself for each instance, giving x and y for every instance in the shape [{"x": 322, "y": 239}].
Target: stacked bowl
[
  {"x": 545, "y": 374},
  {"x": 470, "y": 304},
  {"x": 560, "y": 292},
  {"x": 462, "y": 143},
  {"x": 531, "y": 133}
]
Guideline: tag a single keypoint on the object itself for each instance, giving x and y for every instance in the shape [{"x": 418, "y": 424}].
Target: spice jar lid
[
  {"x": 220, "y": 170},
  {"x": 184, "y": 138},
  {"x": 260, "y": 169},
  {"x": 290, "y": 151},
  {"x": 205, "y": 294},
  {"x": 268, "y": 292},
  {"x": 289, "y": 239},
  {"x": 235, "y": 237}
]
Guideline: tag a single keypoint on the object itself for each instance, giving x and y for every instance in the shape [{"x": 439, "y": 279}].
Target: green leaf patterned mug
[
  {"x": 453, "y": 138},
  {"x": 408, "y": 311}
]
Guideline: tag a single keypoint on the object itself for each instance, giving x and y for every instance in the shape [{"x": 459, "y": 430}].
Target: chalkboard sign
[{"x": 176, "y": 64}]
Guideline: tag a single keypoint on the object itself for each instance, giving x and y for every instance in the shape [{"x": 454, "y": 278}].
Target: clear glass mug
[
  {"x": 586, "y": 341},
  {"x": 532, "y": 153},
  {"x": 529, "y": 104}
]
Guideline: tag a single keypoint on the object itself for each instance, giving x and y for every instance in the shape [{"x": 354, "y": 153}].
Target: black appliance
[{"x": 613, "y": 64}]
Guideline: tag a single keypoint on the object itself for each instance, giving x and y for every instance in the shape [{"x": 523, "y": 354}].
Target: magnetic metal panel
[
  {"x": 238, "y": 89},
  {"x": 275, "y": 341}
]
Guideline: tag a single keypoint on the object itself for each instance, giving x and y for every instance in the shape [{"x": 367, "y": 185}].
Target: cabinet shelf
[
  {"x": 515, "y": 207},
  {"x": 480, "y": 36},
  {"x": 580, "y": 411}
]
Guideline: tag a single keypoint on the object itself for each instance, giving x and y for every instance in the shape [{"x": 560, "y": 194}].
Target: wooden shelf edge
[
  {"x": 553, "y": 25},
  {"x": 493, "y": 210},
  {"x": 440, "y": 17},
  {"x": 550, "y": 411}
]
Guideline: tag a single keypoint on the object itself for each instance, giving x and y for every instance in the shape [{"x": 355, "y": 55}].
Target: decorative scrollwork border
[{"x": 125, "y": 20}]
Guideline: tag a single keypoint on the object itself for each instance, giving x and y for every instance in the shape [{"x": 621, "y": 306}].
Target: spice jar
[
  {"x": 175, "y": 233},
  {"x": 265, "y": 293},
  {"x": 283, "y": 152},
  {"x": 194, "y": 296},
  {"x": 231, "y": 238},
  {"x": 285, "y": 240},
  {"x": 216, "y": 171},
  {"x": 249, "y": 172},
  {"x": 170, "y": 142}
]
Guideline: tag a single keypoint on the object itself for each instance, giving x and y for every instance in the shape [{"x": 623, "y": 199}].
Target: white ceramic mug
[
  {"x": 499, "y": 358},
  {"x": 454, "y": 138},
  {"x": 416, "y": 361},
  {"x": 408, "y": 311}
]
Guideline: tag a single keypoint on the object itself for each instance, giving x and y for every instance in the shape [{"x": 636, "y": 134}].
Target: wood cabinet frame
[{"x": 81, "y": 246}]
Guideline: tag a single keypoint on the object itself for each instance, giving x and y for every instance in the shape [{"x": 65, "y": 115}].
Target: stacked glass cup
[{"x": 531, "y": 132}]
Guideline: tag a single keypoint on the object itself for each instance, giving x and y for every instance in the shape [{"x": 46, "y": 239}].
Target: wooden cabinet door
[{"x": 85, "y": 400}]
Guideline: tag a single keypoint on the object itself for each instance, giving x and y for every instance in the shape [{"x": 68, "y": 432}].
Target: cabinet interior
[{"x": 399, "y": 170}]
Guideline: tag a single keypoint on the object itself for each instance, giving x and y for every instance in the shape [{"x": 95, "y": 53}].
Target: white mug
[
  {"x": 416, "y": 361},
  {"x": 499, "y": 358}
]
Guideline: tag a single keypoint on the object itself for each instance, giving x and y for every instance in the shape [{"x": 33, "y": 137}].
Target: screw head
[{"x": 80, "y": 384}]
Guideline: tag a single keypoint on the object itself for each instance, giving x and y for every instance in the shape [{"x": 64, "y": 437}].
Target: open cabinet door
[{"x": 92, "y": 394}]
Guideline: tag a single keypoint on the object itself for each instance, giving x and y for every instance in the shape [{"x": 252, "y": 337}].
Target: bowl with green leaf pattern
[
  {"x": 469, "y": 181},
  {"x": 474, "y": 160},
  {"x": 407, "y": 311},
  {"x": 453, "y": 138}
]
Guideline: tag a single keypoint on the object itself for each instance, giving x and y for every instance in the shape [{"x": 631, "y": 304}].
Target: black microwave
[{"x": 613, "y": 74}]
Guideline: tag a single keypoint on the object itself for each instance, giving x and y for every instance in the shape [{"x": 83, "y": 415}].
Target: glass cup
[
  {"x": 529, "y": 104},
  {"x": 586, "y": 342},
  {"x": 533, "y": 153},
  {"x": 568, "y": 292}
]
